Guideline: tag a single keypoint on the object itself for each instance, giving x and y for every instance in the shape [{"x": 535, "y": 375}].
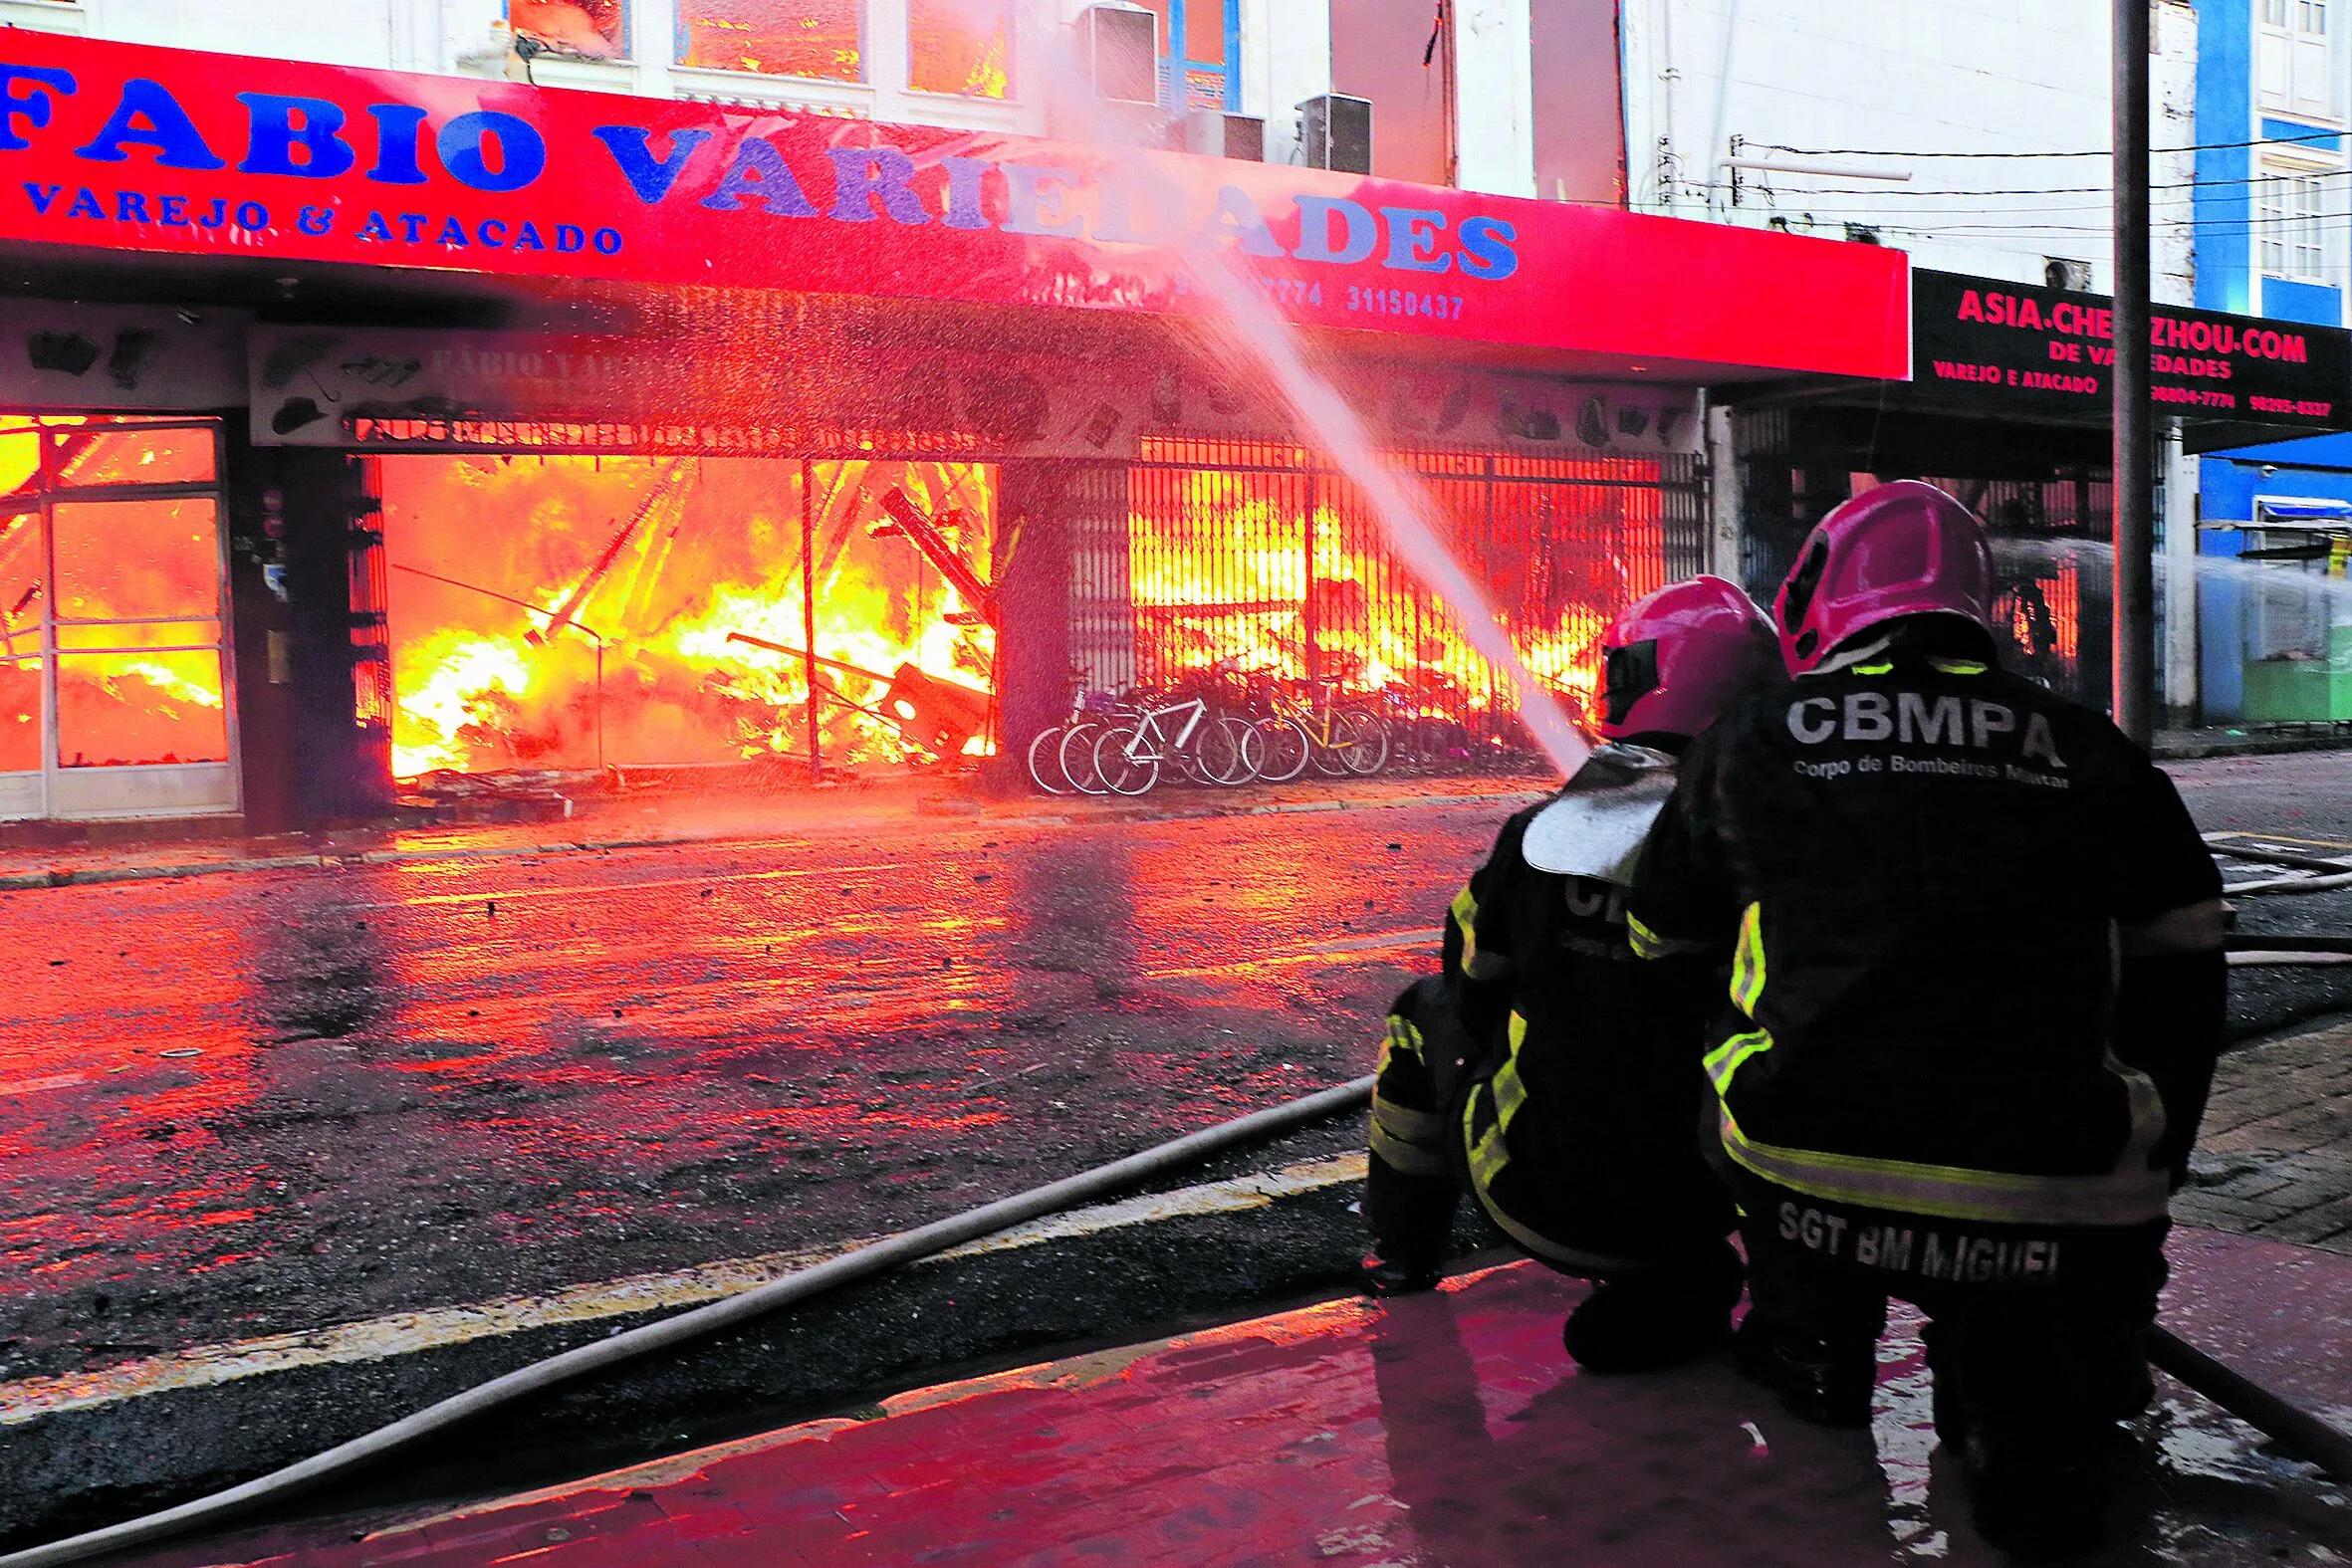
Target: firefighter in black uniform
[
  {"x": 1547, "y": 1069},
  {"x": 1977, "y": 993}
]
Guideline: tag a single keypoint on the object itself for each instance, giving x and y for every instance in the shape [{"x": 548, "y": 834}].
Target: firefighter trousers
[
  {"x": 1612, "y": 1209},
  {"x": 2037, "y": 1333}
]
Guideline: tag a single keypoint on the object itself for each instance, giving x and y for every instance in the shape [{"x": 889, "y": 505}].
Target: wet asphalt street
[
  {"x": 245, "y": 1104},
  {"x": 248, "y": 1104}
]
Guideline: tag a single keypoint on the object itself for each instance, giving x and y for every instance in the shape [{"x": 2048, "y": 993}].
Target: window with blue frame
[{"x": 1200, "y": 53}]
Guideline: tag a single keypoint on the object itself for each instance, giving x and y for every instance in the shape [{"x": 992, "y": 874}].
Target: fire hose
[{"x": 2298, "y": 1429}]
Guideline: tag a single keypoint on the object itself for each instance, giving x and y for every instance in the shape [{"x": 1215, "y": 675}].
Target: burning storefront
[{"x": 374, "y": 426}]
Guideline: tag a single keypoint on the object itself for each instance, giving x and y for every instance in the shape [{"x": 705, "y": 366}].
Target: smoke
[{"x": 1246, "y": 323}]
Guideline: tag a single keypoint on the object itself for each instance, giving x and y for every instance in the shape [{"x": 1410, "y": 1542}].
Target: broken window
[
  {"x": 960, "y": 45},
  {"x": 590, "y": 29},
  {"x": 822, "y": 40}
]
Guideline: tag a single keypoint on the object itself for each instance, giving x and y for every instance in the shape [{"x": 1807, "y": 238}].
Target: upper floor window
[
  {"x": 593, "y": 28},
  {"x": 2297, "y": 57},
  {"x": 960, "y": 45},
  {"x": 820, "y": 40},
  {"x": 2290, "y": 228}
]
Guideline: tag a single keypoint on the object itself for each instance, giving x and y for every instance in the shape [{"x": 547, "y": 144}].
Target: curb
[
  {"x": 1116, "y": 1270},
  {"x": 81, "y": 876},
  {"x": 2201, "y": 749}
]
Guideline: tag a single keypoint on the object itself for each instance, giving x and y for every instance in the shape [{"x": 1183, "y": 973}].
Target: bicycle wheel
[
  {"x": 1219, "y": 753},
  {"x": 1076, "y": 756},
  {"x": 1286, "y": 746},
  {"x": 1124, "y": 763},
  {"x": 1363, "y": 741},
  {"x": 1044, "y": 762}
]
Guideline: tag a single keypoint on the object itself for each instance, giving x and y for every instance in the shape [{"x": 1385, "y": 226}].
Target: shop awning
[{"x": 286, "y": 170}]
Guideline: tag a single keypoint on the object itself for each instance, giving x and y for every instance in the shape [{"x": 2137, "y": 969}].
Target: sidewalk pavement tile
[{"x": 1442, "y": 1431}]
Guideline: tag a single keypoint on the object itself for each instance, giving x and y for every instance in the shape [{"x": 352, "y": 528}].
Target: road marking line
[
  {"x": 406, "y": 1333},
  {"x": 589, "y": 889},
  {"x": 55, "y": 1081}
]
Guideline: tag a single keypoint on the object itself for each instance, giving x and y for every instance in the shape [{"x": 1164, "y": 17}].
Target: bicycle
[
  {"x": 1337, "y": 741},
  {"x": 1209, "y": 748},
  {"x": 1045, "y": 748}
]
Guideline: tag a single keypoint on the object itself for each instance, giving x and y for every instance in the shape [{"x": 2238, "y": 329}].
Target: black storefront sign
[{"x": 2011, "y": 349}]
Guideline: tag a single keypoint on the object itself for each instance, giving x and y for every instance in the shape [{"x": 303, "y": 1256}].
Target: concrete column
[
  {"x": 1494, "y": 98},
  {"x": 1723, "y": 496},
  {"x": 1286, "y": 60},
  {"x": 2183, "y": 654}
]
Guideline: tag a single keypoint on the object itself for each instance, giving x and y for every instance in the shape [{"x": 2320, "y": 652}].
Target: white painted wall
[
  {"x": 1891, "y": 77},
  {"x": 1286, "y": 60},
  {"x": 1494, "y": 98}
]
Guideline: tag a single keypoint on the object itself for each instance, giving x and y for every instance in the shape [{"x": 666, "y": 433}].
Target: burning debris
[{"x": 680, "y": 577}]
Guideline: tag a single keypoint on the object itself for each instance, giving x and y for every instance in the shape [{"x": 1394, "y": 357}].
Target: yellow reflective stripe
[
  {"x": 1648, "y": 944},
  {"x": 1725, "y": 1059},
  {"x": 1405, "y": 1122},
  {"x": 1958, "y": 666},
  {"x": 1488, "y": 1153},
  {"x": 1748, "y": 961},
  {"x": 1402, "y": 1040},
  {"x": 1882, "y": 667},
  {"x": 1487, "y": 1157},
  {"x": 2123, "y": 1196},
  {"x": 1410, "y": 1158},
  {"x": 1569, "y": 1258},
  {"x": 1464, "y": 910},
  {"x": 2192, "y": 928},
  {"x": 2147, "y": 1113}
]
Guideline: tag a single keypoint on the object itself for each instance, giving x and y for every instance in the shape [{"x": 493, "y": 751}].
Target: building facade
[
  {"x": 372, "y": 423},
  {"x": 2274, "y": 86}
]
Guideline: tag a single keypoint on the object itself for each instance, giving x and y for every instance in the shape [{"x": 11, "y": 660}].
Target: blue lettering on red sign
[{"x": 314, "y": 138}]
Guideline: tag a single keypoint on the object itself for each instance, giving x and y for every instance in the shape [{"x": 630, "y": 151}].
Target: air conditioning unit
[
  {"x": 1222, "y": 136},
  {"x": 1335, "y": 132},
  {"x": 1120, "y": 45}
]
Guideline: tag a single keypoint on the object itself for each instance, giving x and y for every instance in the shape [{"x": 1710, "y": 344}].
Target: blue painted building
[{"x": 2269, "y": 209}]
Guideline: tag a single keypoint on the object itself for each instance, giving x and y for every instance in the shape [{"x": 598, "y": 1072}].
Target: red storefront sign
[{"x": 132, "y": 147}]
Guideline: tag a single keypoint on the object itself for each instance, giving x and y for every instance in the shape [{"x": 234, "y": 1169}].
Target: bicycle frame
[{"x": 1164, "y": 746}]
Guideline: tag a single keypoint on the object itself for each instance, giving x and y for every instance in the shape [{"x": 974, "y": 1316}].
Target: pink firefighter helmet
[
  {"x": 1676, "y": 658},
  {"x": 1898, "y": 549}
]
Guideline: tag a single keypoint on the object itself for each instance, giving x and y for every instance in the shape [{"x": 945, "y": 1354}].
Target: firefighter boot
[
  {"x": 1826, "y": 1380},
  {"x": 1659, "y": 1318},
  {"x": 2035, "y": 1505},
  {"x": 1412, "y": 1222}
]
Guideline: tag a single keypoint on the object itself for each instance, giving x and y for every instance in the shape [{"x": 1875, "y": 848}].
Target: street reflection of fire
[{"x": 511, "y": 575}]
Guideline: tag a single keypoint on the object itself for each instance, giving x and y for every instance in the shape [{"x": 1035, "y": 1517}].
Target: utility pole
[{"x": 2135, "y": 431}]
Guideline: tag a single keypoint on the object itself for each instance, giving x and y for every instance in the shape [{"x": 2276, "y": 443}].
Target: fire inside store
[{"x": 567, "y": 432}]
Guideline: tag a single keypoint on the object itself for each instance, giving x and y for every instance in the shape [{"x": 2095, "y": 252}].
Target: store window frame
[{"x": 77, "y": 793}]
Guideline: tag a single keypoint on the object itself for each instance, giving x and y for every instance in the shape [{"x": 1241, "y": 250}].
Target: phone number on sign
[{"x": 1405, "y": 302}]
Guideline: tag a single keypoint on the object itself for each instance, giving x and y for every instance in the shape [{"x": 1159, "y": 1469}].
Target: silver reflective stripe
[
  {"x": 1405, "y": 1122},
  {"x": 2123, "y": 1196},
  {"x": 1410, "y": 1158}
]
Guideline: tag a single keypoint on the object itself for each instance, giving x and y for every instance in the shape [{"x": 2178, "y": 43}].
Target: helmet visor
[{"x": 1628, "y": 674}]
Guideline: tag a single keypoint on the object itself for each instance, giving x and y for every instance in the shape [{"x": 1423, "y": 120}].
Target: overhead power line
[{"x": 2092, "y": 152}]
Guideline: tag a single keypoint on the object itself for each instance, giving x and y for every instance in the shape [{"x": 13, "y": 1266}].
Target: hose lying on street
[
  {"x": 2302, "y": 1434},
  {"x": 905, "y": 1248},
  {"x": 2306, "y": 1435}
]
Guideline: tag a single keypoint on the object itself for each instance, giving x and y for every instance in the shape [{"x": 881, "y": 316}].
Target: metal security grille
[{"x": 1267, "y": 554}]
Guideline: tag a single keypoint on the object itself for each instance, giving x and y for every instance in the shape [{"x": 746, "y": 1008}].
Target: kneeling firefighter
[
  {"x": 1546, "y": 1068},
  {"x": 1977, "y": 995}
]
